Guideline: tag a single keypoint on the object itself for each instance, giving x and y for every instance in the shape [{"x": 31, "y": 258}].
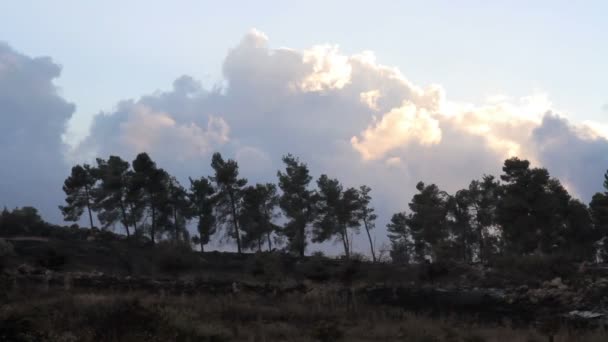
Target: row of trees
[
  {"x": 147, "y": 200},
  {"x": 526, "y": 211}
]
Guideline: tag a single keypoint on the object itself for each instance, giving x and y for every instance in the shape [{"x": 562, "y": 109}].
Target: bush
[
  {"x": 327, "y": 331},
  {"x": 52, "y": 258},
  {"x": 266, "y": 266},
  {"x": 316, "y": 269},
  {"x": 176, "y": 257},
  {"x": 6, "y": 251},
  {"x": 527, "y": 267}
]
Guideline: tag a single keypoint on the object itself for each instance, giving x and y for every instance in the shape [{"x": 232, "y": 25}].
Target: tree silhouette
[
  {"x": 297, "y": 202},
  {"x": 181, "y": 209},
  {"x": 427, "y": 221},
  {"x": 337, "y": 211},
  {"x": 533, "y": 208},
  {"x": 258, "y": 211},
  {"x": 153, "y": 185},
  {"x": 229, "y": 187},
  {"x": 401, "y": 238},
  {"x": 203, "y": 202},
  {"x": 111, "y": 194},
  {"x": 366, "y": 215},
  {"x": 77, "y": 188}
]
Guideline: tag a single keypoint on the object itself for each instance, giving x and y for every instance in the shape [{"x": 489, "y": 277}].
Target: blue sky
[{"x": 111, "y": 50}]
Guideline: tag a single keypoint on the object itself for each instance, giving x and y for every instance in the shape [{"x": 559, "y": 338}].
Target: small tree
[{"x": 77, "y": 188}]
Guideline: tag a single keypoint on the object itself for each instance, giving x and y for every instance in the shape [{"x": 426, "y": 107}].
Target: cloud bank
[
  {"x": 33, "y": 118},
  {"x": 348, "y": 116}
]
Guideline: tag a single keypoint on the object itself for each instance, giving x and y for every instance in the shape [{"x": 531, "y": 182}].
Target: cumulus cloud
[
  {"x": 396, "y": 129},
  {"x": 350, "y": 117},
  {"x": 33, "y": 117}
]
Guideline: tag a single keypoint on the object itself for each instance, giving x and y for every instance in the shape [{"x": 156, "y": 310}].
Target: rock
[
  {"x": 557, "y": 282},
  {"x": 25, "y": 269},
  {"x": 584, "y": 314}
]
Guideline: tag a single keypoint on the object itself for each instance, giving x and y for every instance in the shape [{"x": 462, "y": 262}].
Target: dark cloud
[
  {"x": 33, "y": 118},
  {"x": 576, "y": 155}
]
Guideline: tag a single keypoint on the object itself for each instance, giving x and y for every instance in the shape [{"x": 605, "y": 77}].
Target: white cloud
[{"x": 396, "y": 129}]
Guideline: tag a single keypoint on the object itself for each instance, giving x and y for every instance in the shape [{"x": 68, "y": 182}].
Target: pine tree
[
  {"x": 297, "y": 203},
  {"x": 203, "y": 202},
  {"x": 258, "y": 211},
  {"x": 367, "y": 215},
  {"x": 229, "y": 187},
  {"x": 78, "y": 189},
  {"x": 337, "y": 212}
]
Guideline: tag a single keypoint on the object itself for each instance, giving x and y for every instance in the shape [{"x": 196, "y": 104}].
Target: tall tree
[
  {"x": 428, "y": 219},
  {"x": 181, "y": 210},
  {"x": 77, "y": 188},
  {"x": 401, "y": 238},
  {"x": 484, "y": 197},
  {"x": 111, "y": 193},
  {"x": 460, "y": 224},
  {"x": 580, "y": 233},
  {"x": 533, "y": 208},
  {"x": 599, "y": 215},
  {"x": 297, "y": 202},
  {"x": 337, "y": 212},
  {"x": 259, "y": 210},
  {"x": 229, "y": 187},
  {"x": 367, "y": 215},
  {"x": 203, "y": 202},
  {"x": 153, "y": 185}
]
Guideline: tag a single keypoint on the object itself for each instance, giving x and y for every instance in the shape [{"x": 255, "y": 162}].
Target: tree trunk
[
  {"x": 175, "y": 224},
  {"x": 235, "y": 223},
  {"x": 202, "y": 246},
  {"x": 86, "y": 190},
  {"x": 302, "y": 245},
  {"x": 346, "y": 243},
  {"x": 369, "y": 236},
  {"x": 125, "y": 221},
  {"x": 269, "y": 243},
  {"x": 134, "y": 221},
  {"x": 481, "y": 244},
  {"x": 153, "y": 227}
]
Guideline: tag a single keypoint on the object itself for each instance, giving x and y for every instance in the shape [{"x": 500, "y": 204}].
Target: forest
[{"x": 523, "y": 211}]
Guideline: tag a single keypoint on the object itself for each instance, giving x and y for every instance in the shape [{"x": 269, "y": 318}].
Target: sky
[{"x": 385, "y": 93}]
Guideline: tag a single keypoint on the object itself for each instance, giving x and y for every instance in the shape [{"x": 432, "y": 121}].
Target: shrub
[
  {"x": 52, "y": 258},
  {"x": 327, "y": 331},
  {"x": 316, "y": 269},
  {"x": 6, "y": 251},
  {"x": 529, "y": 267},
  {"x": 176, "y": 257}
]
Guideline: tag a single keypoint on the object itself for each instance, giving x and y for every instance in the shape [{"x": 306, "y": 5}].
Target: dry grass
[{"x": 143, "y": 317}]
